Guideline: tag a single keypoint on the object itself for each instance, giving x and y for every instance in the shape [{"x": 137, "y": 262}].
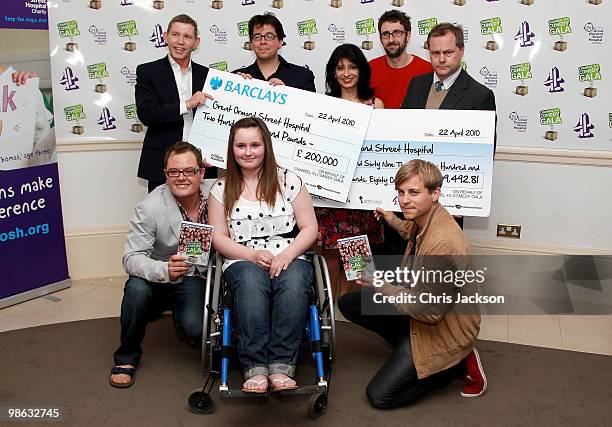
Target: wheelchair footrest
[{"x": 303, "y": 390}]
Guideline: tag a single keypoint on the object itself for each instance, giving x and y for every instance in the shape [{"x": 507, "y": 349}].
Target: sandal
[
  {"x": 278, "y": 384},
  {"x": 257, "y": 383},
  {"x": 120, "y": 370}
]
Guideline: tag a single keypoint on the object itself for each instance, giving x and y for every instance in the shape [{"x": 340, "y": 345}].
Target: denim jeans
[
  {"x": 270, "y": 315},
  {"x": 144, "y": 301},
  {"x": 396, "y": 383}
]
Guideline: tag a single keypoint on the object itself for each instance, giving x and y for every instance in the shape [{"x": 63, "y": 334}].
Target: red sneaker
[{"x": 476, "y": 379}]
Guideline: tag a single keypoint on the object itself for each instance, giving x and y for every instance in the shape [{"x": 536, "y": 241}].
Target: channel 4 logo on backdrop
[
  {"x": 106, "y": 120},
  {"x": 69, "y": 80},
  {"x": 554, "y": 81},
  {"x": 126, "y": 3},
  {"x": 525, "y": 36},
  {"x": 247, "y": 2},
  {"x": 584, "y": 127},
  {"x": 157, "y": 37}
]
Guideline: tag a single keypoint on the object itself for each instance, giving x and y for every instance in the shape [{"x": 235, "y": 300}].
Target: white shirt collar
[
  {"x": 448, "y": 82},
  {"x": 175, "y": 64}
]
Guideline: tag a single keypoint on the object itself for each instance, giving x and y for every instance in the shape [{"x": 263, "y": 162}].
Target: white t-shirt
[{"x": 258, "y": 225}]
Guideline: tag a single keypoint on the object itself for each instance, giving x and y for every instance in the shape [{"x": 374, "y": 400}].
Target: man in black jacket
[
  {"x": 167, "y": 92},
  {"x": 266, "y": 34},
  {"x": 449, "y": 87}
]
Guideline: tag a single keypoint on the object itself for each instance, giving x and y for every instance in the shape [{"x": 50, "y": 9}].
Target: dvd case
[
  {"x": 195, "y": 242},
  {"x": 356, "y": 257}
]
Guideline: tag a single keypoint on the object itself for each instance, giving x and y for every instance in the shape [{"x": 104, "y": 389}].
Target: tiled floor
[{"x": 90, "y": 299}]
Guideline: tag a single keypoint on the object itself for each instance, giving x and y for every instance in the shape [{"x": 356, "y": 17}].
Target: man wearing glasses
[
  {"x": 391, "y": 75},
  {"x": 266, "y": 34},
  {"x": 392, "y": 72},
  {"x": 159, "y": 279}
]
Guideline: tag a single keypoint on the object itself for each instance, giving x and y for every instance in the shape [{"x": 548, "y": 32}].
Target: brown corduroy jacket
[{"x": 442, "y": 333}]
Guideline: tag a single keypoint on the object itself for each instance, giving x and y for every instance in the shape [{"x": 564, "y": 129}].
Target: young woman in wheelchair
[{"x": 264, "y": 223}]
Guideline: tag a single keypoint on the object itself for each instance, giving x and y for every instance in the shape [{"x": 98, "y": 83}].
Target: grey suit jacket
[
  {"x": 153, "y": 235},
  {"x": 465, "y": 94}
]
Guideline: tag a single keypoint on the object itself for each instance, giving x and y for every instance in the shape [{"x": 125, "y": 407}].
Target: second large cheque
[
  {"x": 318, "y": 137},
  {"x": 460, "y": 143}
]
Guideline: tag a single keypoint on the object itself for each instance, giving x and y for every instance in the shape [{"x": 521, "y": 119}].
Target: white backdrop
[{"x": 110, "y": 41}]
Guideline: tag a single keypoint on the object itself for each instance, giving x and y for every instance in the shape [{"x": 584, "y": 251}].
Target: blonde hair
[{"x": 429, "y": 173}]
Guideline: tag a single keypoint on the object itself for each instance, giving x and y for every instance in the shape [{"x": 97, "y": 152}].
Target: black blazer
[
  {"x": 292, "y": 75},
  {"x": 157, "y": 105},
  {"x": 465, "y": 94}
]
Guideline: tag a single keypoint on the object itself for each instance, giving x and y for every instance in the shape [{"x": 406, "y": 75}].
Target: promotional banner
[
  {"x": 316, "y": 136},
  {"x": 31, "y": 228},
  {"x": 460, "y": 143},
  {"x": 24, "y": 14},
  {"x": 546, "y": 61}
]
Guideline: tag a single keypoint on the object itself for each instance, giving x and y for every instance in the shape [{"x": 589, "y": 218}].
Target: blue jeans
[
  {"x": 270, "y": 315},
  {"x": 144, "y": 301}
]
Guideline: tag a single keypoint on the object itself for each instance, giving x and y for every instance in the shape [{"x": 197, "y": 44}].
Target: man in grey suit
[
  {"x": 159, "y": 279},
  {"x": 449, "y": 87}
]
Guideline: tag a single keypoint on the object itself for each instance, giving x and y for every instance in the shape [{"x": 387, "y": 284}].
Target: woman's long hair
[
  {"x": 356, "y": 56},
  {"x": 268, "y": 185}
]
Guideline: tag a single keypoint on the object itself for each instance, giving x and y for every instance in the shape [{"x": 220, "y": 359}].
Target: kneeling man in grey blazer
[{"x": 159, "y": 278}]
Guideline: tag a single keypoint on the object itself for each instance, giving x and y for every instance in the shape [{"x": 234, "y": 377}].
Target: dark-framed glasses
[
  {"x": 395, "y": 33},
  {"x": 175, "y": 173},
  {"x": 268, "y": 36}
]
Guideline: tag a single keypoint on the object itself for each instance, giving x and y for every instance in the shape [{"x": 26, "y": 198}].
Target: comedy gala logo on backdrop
[
  {"x": 307, "y": 29},
  {"x": 550, "y": 118},
  {"x": 521, "y": 72}
]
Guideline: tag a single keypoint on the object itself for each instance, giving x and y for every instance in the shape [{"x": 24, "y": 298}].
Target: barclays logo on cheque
[{"x": 244, "y": 89}]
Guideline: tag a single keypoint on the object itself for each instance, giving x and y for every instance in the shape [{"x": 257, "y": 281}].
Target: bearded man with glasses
[
  {"x": 159, "y": 279},
  {"x": 392, "y": 72},
  {"x": 391, "y": 75},
  {"x": 266, "y": 34}
]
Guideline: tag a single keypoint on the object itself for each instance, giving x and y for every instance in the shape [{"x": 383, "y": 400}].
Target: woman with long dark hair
[
  {"x": 347, "y": 76},
  {"x": 263, "y": 222}
]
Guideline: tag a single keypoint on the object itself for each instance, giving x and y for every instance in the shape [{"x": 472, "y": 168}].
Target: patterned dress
[
  {"x": 336, "y": 224},
  {"x": 260, "y": 226}
]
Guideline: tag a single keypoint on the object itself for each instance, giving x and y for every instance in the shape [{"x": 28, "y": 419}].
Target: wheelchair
[{"x": 217, "y": 341}]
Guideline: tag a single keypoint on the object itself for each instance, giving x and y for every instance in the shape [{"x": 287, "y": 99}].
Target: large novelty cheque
[
  {"x": 318, "y": 137},
  {"x": 460, "y": 143}
]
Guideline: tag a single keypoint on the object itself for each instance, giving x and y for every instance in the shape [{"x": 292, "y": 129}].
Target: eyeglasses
[
  {"x": 395, "y": 33},
  {"x": 268, "y": 36},
  {"x": 175, "y": 173},
  {"x": 445, "y": 53}
]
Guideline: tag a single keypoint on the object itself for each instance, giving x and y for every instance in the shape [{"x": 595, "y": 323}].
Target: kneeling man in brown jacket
[{"x": 427, "y": 311}]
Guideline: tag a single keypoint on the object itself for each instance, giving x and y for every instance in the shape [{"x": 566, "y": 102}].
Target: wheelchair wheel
[
  {"x": 324, "y": 293},
  {"x": 317, "y": 405},
  {"x": 211, "y": 327}
]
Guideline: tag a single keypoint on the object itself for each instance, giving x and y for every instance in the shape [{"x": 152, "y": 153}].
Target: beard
[{"x": 395, "y": 51}]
